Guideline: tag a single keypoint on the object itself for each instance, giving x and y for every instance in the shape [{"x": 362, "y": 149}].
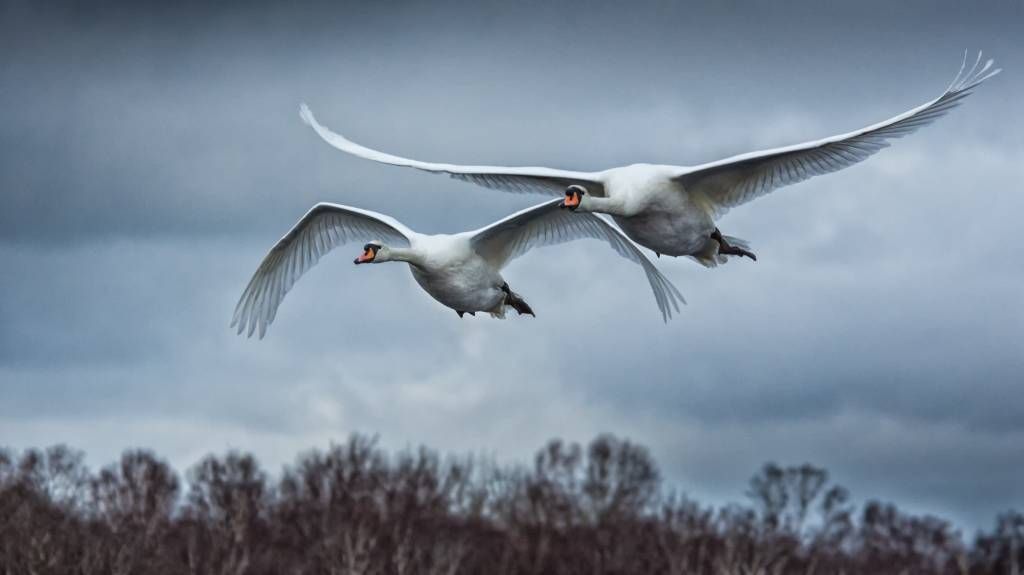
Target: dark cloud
[{"x": 150, "y": 154}]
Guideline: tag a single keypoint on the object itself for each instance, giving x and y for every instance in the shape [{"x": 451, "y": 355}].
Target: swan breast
[
  {"x": 459, "y": 278},
  {"x": 661, "y": 215}
]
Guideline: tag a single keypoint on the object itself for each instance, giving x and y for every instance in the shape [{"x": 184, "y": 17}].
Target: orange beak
[
  {"x": 366, "y": 258},
  {"x": 572, "y": 200}
]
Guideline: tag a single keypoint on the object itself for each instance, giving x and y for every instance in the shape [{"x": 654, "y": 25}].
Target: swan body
[
  {"x": 461, "y": 271},
  {"x": 648, "y": 206},
  {"x": 672, "y": 209},
  {"x": 456, "y": 276}
]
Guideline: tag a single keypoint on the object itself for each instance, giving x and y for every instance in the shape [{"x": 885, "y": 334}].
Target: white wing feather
[
  {"x": 518, "y": 180},
  {"x": 323, "y": 228},
  {"x": 547, "y": 224},
  {"x": 733, "y": 181}
]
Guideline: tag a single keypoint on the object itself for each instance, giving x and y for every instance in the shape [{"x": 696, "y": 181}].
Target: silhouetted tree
[
  {"x": 354, "y": 509},
  {"x": 132, "y": 502},
  {"x": 1001, "y": 551},
  {"x": 225, "y": 519},
  {"x": 42, "y": 499},
  {"x": 891, "y": 540}
]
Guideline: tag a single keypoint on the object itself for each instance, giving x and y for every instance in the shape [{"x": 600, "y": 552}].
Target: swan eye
[
  {"x": 573, "y": 197},
  {"x": 369, "y": 254}
]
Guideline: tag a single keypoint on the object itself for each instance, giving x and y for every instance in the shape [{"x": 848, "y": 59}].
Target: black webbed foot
[
  {"x": 515, "y": 302},
  {"x": 725, "y": 248}
]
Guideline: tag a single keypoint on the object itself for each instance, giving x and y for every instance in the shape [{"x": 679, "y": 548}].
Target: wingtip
[
  {"x": 968, "y": 78},
  {"x": 306, "y": 114}
]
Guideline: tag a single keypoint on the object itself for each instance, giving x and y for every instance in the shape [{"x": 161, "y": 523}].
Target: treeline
[{"x": 354, "y": 509}]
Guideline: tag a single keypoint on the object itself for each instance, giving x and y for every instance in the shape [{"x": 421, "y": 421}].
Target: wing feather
[
  {"x": 323, "y": 228},
  {"x": 547, "y": 224},
  {"x": 536, "y": 180},
  {"x": 734, "y": 181}
]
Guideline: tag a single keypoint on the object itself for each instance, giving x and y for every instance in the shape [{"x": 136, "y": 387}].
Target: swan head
[
  {"x": 573, "y": 197},
  {"x": 373, "y": 252}
]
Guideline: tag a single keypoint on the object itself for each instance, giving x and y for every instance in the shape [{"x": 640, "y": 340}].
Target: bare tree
[
  {"x": 354, "y": 509},
  {"x": 134, "y": 501},
  {"x": 226, "y": 516}
]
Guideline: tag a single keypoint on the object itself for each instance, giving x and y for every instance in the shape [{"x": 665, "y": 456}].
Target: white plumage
[
  {"x": 462, "y": 271},
  {"x": 672, "y": 209}
]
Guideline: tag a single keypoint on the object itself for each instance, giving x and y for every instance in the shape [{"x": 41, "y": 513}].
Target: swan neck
[
  {"x": 602, "y": 205},
  {"x": 404, "y": 255}
]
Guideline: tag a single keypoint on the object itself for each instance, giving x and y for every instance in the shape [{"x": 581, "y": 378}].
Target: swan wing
[
  {"x": 517, "y": 180},
  {"x": 737, "y": 180},
  {"x": 323, "y": 228},
  {"x": 547, "y": 224}
]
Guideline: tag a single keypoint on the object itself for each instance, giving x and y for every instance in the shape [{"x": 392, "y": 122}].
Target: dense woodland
[{"x": 354, "y": 509}]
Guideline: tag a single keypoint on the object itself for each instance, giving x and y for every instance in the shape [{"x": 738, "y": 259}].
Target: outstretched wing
[
  {"x": 518, "y": 180},
  {"x": 733, "y": 181},
  {"x": 548, "y": 224},
  {"x": 323, "y": 228}
]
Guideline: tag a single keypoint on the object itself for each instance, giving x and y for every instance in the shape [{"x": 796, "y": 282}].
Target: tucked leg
[
  {"x": 726, "y": 249},
  {"x": 515, "y": 302}
]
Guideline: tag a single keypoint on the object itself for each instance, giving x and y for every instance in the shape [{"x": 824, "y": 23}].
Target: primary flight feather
[
  {"x": 672, "y": 209},
  {"x": 462, "y": 271}
]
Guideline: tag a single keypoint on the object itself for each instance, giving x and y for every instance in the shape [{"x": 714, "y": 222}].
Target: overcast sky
[{"x": 150, "y": 155}]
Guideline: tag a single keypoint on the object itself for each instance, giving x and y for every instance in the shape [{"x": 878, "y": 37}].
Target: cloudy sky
[{"x": 149, "y": 155}]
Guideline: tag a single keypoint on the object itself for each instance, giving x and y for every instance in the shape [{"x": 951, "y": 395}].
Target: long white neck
[
  {"x": 403, "y": 255},
  {"x": 612, "y": 206}
]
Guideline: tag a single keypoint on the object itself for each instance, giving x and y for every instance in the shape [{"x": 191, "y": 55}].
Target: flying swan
[
  {"x": 672, "y": 209},
  {"x": 462, "y": 271}
]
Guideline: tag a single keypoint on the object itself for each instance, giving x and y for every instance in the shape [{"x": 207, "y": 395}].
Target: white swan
[
  {"x": 462, "y": 271},
  {"x": 672, "y": 209}
]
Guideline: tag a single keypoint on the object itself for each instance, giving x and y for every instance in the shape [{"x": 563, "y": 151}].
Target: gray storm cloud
[{"x": 150, "y": 155}]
